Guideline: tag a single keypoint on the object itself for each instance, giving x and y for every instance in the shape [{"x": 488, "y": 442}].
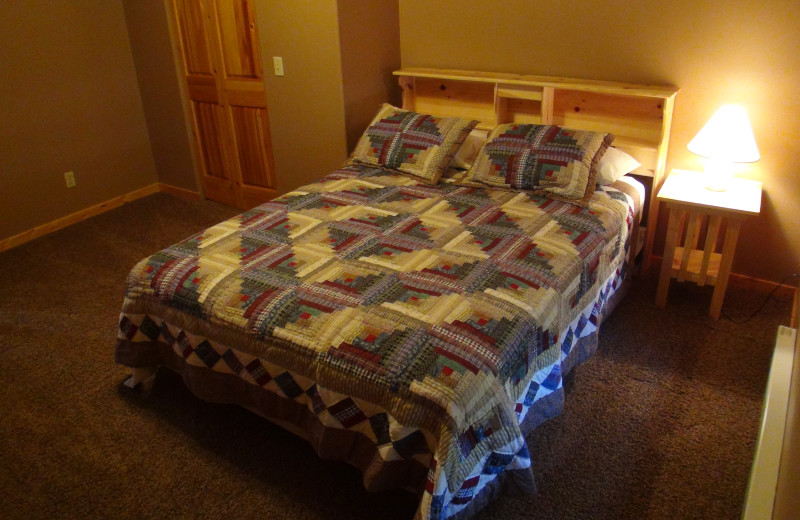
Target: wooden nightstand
[{"x": 697, "y": 216}]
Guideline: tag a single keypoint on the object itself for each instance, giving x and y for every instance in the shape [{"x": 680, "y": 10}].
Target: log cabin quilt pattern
[{"x": 434, "y": 322}]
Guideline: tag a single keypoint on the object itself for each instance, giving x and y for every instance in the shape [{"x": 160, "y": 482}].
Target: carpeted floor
[{"x": 661, "y": 423}]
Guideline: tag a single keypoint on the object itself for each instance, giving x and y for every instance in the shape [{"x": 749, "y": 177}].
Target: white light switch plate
[{"x": 277, "y": 63}]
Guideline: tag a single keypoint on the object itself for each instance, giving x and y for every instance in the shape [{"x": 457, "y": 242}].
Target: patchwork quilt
[{"x": 434, "y": 322}]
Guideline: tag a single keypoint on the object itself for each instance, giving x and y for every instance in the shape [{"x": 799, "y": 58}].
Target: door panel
[
  {"x": 239, "y": 41},
  {"x": 209, "y": 127},
  {"x": 203, "y": 88},
  {"x": 195, "y": 46},
  {"x": 246, "y": 93},
  {"x": 251, "y": 130},
  {"x": 225, "y": 84}
]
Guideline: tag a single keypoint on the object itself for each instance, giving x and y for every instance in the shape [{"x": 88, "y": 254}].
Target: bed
[{"x": 409, "y": 317}]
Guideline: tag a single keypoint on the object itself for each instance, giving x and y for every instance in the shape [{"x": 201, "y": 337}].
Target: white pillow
[
  {"x": 466, "y": 155},
  {"x": 614, "y": 164}
]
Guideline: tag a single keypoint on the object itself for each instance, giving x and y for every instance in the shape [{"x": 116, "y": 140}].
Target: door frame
[{"x": 177, "y": 61}]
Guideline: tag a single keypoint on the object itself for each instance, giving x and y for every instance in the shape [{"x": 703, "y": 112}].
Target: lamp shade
[{"x": 727, "y": 136}]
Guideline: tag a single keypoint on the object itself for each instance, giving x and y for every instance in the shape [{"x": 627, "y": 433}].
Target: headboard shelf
[
  {"x": 611, "y": 87},
  {"x": 521, "y": 92},
  {"x": 638, "y": 115}
]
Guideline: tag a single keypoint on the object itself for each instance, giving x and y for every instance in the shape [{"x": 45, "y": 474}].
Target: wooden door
[{"x": 222, "y": 66}]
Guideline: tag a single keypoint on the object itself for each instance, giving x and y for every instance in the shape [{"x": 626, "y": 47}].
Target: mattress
[{"x": 417, "y": 332}]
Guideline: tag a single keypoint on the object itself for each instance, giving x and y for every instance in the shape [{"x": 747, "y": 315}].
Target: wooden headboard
[{"x": 638, "y": 115}]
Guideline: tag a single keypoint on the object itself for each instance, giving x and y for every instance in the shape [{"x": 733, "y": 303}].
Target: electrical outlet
[
  {"x": 277, "y": 63},
  {"x": 69, "y": 177}
]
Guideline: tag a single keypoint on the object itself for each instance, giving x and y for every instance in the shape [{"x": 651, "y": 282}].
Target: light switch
[{"x": 277, "y": 63}]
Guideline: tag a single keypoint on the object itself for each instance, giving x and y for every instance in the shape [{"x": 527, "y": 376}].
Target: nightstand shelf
[
  {"x": 703, "y": 231},
  {"x": 695, "y": 270}
]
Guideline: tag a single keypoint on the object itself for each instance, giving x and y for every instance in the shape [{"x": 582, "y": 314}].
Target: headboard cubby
[{"x": 638, "y": 115}]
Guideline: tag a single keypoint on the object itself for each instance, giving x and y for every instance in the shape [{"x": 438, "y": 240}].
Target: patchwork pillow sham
[
  {"x": 558, "y": 161},
  {"x": 419, "y": 144}
]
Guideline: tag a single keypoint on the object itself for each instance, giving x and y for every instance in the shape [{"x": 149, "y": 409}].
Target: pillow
[
  {"x": 419, "y": 144},
  {"x": 613, "y": 165},
  {"x": 546, "y": 158},
  {"x": 469, "y": 150}
]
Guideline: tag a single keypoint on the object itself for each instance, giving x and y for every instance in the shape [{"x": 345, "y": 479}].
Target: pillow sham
[
  {"x": 551, "y": 159},
  {"x": 613, "y": 165},
  {"x": 418, "y": 144},
  {"x": 466, "y": 155}
]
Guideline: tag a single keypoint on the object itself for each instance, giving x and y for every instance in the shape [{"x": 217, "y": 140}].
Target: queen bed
[{"x": 414, "y": 313}]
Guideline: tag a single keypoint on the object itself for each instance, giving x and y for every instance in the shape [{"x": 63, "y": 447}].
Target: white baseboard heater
[{"x": 774, "y": 488}]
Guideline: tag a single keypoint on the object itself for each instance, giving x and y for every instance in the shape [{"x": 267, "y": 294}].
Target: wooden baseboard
[
  {"x": 762, "y": 286},
  {"x": 748, "y": 282},
  {"x": 60, "y": 223},
  {"x": 180, "y": 192}
]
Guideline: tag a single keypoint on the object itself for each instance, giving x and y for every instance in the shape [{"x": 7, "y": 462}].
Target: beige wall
[
  {"x": 338, "y": 58},
  {"x": 739, "y": 52},
  {"x": 93, "y": 87},
  {"x": 70, "y": 102},
  {"x": 369, "y": 41},
  {"x": 158, "y": 81},
  {"x": 306, "y": 105}
]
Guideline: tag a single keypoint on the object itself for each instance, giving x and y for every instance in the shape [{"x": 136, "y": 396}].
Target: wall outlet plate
[
  {"x": 69, "y": 177},
  {"x": 277, "y": 63}
]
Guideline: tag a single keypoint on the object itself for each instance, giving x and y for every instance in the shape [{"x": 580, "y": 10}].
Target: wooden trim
[
  {"x": 183, "y": 91},
  {"x": 547, "y": 105},
  {"x": 180, "y": 192},
  {"x": 658, "y": 180},
  {"x": 762, "y": 286},
  {"x": 673, "y": 233},
  {"x": 60, "y": 223}
]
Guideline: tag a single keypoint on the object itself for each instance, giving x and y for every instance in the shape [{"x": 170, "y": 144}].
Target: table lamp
[{"x": 725, "y": 139}]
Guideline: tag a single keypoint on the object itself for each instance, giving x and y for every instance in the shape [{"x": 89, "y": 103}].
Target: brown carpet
[{"x": 661, "y": 423}]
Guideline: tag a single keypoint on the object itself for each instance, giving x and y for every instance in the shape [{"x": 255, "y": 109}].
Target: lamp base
[
  {"x": 715, "y": 185},
  {"x": 719, "y": 175}
]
